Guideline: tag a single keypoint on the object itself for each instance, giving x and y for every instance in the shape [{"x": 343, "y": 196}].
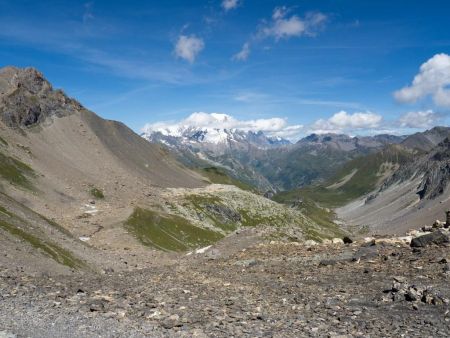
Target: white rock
[
  {"x": 310, "y": 242},
  {"x": 203, "y": 250}
]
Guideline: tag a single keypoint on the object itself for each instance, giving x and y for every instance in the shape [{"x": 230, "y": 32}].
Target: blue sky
[{"x": 305, "y": 62}]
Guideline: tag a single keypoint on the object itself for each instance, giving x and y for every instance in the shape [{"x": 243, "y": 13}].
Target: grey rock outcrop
[
  {"x": 437, "y": 237},
  {"x": 27, "y": 98}
]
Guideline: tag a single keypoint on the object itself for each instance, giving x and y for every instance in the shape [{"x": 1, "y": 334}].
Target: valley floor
[{"x": 261, "y": 289}]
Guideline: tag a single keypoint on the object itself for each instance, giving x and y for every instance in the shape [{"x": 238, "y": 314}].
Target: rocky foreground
[{"x": 376, "y": 288}]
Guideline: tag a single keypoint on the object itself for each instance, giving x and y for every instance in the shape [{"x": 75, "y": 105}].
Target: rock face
[
  {"x": 436, "y": 237},
  {"x": 27, "y": 98},
  {"x": 433, "y": 170}
]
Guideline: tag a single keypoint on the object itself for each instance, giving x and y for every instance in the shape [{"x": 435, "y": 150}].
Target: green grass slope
[
  {"x": 27, "y": 233},
  {"x": 15, "y": 172},
  {"x": 219, "y": 176},
  {"x": 197, "y": 218},
  {"x": 168, "y": 232}
]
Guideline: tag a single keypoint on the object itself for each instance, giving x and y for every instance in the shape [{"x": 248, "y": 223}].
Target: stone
[
  {"x": 437, "y": 238},
  {"x": 412, "y": 295},
  {"x": 427, "y": 228},
  {"x": 172, "y": 321},
  {"x": 311, "y": 242},
  {"x": 6, "y": 334},
  {"x": 327, "y": 262},
  {"x": 96, "y": 306},
  {"x": 247, "y": 263},
  {"x": 438, "y": 224},
  {"x": 347, "y": 240}
]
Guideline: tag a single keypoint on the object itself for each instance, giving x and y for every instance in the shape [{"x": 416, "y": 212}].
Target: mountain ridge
[{"x": 268, "y": 165}]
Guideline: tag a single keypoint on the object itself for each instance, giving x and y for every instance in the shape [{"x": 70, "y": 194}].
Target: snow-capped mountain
[
  {"x": 213, "y": 138},
  {"x": 228, "y": 148}
]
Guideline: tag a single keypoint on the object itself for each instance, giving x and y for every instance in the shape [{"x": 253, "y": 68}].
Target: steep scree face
[
  {"x": 432, "y": 168},
  {"x": 27, "y": 98}
]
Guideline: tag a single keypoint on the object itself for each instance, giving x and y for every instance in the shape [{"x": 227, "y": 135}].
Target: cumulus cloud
[
  {"x": 228, "y": 5},
  {"x": 243, "y": 54},
  {"x": 344, "y": 122},
  {"x": 188, "y": 47},
  {"x": 432, "y": 80},
  {"x": 419, "y": 119},
  {"x": 283, "y": 25},
  {"x": 271, "y": 126}
]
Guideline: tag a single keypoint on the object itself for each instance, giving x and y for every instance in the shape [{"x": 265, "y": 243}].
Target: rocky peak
[
  {"x": 27, "y": 98},
  {"x": 30, "y": 79}
]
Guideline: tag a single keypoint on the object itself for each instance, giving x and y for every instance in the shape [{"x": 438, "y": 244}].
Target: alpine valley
[{"x": 163, "y": 234}]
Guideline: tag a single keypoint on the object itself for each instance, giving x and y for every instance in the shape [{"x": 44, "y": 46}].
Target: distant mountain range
[
  {"x": 270, "y": 163},
  {"x": 215, "y": 139}
]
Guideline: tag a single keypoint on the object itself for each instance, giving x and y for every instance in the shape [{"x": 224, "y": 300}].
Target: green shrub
[{"x": 97, "y": 193}]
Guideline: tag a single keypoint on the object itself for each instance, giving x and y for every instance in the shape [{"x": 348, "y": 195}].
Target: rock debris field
[{"x": 371, "y": 288}]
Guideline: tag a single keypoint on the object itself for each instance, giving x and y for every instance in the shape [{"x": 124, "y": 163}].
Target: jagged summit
[
  {"x": 29, "y": 78},
  {"x": 347, "y": 143},
  {"x": 27, "y": 98}
]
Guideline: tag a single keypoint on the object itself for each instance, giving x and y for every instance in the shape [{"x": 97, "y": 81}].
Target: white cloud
[
  {"x": 432, "y": 80},
  {"x": 243, "y": 54},
  {"x": 283, "y": 26},
  {"x": 228, "y": 5},
  {"x": 271, "y": 126},
  {"x": 188, "y": 47},
  {"x": 419, "y": 119},
  {"x": 344, "y": 122}
]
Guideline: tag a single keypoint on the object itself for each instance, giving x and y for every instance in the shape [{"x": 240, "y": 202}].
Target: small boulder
[
  {"x": 247, "y": 263},
  {"x": 437, "y": 237},
  {"x": 327, "y": 262},
  {"x": 427, "y": 228},
  {"x": 347, "y": 240},
  {"x": 438, "y": 224},
  {"x": 311, "y": 242}
]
